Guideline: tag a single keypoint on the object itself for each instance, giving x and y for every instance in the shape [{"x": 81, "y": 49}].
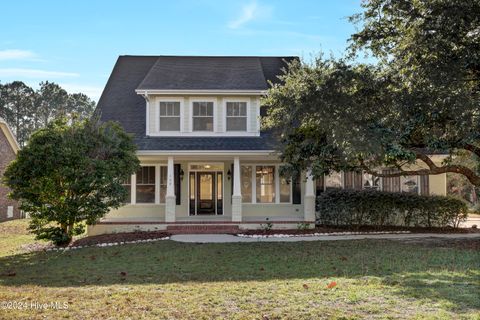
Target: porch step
[{"x": 202, "y": 229}]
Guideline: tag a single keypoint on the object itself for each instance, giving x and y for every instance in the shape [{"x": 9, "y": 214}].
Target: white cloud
[
  {"x": 15, "y": 54},
  {"x": 250, "y": 12},
  {"x": 34, "y": 73},
  {"x": 91, "y": 91}
]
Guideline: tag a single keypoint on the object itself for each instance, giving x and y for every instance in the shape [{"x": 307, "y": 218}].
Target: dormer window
[
  {"x": 202, "y": 116},
  {"x": 169, "y": 116},
  {"x": 236, "y": 116}
]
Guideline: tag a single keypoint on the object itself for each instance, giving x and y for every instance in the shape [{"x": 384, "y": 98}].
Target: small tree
[{"x": 71, "y": 174}]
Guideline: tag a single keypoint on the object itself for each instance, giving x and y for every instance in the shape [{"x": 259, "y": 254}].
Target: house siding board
[{"x": 7, "y": 155}]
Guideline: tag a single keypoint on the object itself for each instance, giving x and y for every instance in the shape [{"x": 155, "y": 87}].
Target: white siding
[
  {"x": 186, "y": 115},
  {"x": 152, "y": 116},
  {"x": 252, "y": 127},
  {"x": 220, "y": 115}
]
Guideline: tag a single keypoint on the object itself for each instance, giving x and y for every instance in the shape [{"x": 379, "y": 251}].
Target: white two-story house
[{"x": 205, "y": 163}]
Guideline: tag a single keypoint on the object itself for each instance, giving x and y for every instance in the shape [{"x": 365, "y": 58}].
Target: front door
[{"x": 206, "y": 193}]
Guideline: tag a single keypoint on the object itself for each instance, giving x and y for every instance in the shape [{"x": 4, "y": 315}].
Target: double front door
[{"x": 206, "y": 193}]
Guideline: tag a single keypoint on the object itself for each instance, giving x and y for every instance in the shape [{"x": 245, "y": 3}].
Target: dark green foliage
[
  {"x": 71, "y": 174},
  {"x": 377, "y": 208}
]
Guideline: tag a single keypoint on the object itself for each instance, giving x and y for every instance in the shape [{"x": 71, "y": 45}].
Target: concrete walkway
[{"x": 228, "y": 238}]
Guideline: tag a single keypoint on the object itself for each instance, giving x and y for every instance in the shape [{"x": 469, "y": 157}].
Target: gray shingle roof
[{"x": 119, "y": 101}]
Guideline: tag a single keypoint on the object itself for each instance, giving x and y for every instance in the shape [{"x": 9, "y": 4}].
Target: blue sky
[{"x": 76, "y": 43}]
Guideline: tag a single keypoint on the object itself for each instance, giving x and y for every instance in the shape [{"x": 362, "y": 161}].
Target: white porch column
[
  {"x": 237, "y": 192},
  {"x": 309, "y": 201},
  {"x": 170, "y": 195}
]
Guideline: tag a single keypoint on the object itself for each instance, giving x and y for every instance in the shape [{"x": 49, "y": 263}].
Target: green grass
[{"x": 375, "y": 279}]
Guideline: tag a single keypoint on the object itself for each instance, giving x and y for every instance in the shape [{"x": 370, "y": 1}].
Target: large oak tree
[{"x": 419, "y": 99}]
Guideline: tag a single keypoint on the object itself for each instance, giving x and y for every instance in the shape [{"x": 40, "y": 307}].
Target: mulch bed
[
  {"x": 119, "y": 237},
  {"x": 331, "y": 229}
]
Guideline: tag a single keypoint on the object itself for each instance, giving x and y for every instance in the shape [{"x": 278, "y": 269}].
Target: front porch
[{"x": 215, "y": 189}]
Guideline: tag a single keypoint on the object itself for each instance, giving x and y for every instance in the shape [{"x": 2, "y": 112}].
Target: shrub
[{"x": 377, "y": 208}]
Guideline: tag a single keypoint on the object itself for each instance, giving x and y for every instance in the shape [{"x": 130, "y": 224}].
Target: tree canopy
[
  {"x": 419, "y": 99},
  {"x": 27, "y": 110},
  {"x": 70, "y": 174}
]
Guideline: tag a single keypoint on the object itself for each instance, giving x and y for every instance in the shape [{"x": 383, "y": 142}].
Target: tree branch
[
  {"x": 432, "y": 170},
  {"x": 473, "y": 148}
]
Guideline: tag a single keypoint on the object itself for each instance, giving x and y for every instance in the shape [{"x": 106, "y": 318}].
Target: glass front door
[{"x": 206, "y": 193}]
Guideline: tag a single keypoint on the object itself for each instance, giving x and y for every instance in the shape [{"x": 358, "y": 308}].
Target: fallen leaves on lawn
[
  {"x": 305, "y": 286},
  {"x": 332, "y": 285}
]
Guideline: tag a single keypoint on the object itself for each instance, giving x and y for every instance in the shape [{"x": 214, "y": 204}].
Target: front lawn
[{"x": 374, "y": 279}]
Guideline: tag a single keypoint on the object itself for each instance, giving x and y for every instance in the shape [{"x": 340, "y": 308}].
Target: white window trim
[
  {"x": 156, "y": 105},
  {"x": 206, "y": 99},
  {"x": 219, "y": 125},
  {"x": 248, "y": 128},
  {"x": 277, "y": 185},
  {"x": 133, "y": 186}
]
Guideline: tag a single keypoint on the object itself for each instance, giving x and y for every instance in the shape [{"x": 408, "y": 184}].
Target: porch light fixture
[
  {"x": 229, "y": 174},
  {"x": 181, "y": 174}
]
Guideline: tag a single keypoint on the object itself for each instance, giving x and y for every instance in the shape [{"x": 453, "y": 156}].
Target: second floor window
[
  {"x": 203, "y": 116},
  {"x": 169, "y": 116},
  {"x": 236, "y": 116}
]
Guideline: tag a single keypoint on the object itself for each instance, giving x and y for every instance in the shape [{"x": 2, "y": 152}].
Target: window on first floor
[
  {"x": 246, "y": 184},
  {"x": 236, "y": 116},
  {"x": 410, "y": 184},
  {"x": 202, "y": 116},
  {"x": 265, "y": 184},
  {"x": 169, "y": 116},
  {"x": 370, "y": 181},
  {"x": 127, "y": 184},
  {"x": 145, "y": 187},
  {"x": 259, "y": 184},
  {"x": 333, "y": 180}
]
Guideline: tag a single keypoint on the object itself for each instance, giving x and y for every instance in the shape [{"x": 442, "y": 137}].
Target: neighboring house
[
  {"x": 205, "y": 162},
  {"x": 8, "y": 151}
]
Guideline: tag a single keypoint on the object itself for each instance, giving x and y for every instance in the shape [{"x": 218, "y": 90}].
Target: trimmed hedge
[{"x": 377, "y": 208}]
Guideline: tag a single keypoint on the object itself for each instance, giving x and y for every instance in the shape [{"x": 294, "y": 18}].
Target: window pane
[
  {"x": 203, "y": 124},
  {"x": 145, "y": 193},
  {"x": 333, "y": 181},
  {"x": 146, "y": 185},
  {"x": 285, "y": 188},
  {"x": 410, "y": 184},
  {"x": 370, "y": 181},
  {"x": 163, "y": 109},
  {"x": 246, "y": 180},
  {"x": 236, "y": 124},
  {"x": 209, "y": 106},
  {"x": 169, "y": 123},
  {"x": 265, "y": 183}
]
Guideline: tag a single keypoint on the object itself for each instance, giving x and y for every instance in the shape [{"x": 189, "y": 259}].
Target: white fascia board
[
  {"x": 203, "y": 92},
  {"x": 9, "y": 135}
]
